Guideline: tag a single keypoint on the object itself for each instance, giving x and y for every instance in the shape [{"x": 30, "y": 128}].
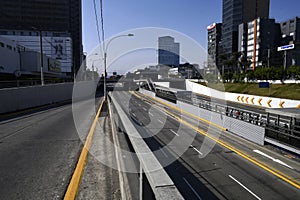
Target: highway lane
[
  {"x": 223, "y": 172},
  {"x": 38, "y": 153}
]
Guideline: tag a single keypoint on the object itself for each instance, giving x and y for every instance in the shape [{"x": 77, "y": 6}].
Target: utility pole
[{"x": 42, "y": 57}]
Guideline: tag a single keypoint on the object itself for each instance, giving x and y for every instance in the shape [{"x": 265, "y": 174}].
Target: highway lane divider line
[
  {"x": 77, "y": 174},
  {"x": 251, "y": 159},
  {"x": 185, "y": 112},
  {"x": 257, "y": 197}
]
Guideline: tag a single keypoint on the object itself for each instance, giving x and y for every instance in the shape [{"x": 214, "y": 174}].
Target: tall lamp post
[
  {"x": 105, "y": 57},
  {"x": 41, "y": 49}
]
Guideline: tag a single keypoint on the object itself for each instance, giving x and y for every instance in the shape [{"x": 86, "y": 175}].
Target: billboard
[
  {"x": 58, "y": 48},
  {"x": 54, "y": 65}
]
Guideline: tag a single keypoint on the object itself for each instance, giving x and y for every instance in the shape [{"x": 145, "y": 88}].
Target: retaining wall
[
  {"x": 263, "y": 101},
  {"x": 14, "y": 99}
]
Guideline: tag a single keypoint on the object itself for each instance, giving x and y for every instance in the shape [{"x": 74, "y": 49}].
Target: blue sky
[{"x": 190, "y": 17}]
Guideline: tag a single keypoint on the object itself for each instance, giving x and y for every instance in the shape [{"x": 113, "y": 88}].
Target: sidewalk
[{"x": 100, "y": 181}]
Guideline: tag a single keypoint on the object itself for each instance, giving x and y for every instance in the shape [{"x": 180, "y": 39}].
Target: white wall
[
  {"x": 13, "y": 99},
  {"x": 241, "y": 98},
  {"x": 162, "y": 84}
]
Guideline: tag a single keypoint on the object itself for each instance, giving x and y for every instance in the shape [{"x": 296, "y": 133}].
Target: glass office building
[{"x": 236, "y": 12}]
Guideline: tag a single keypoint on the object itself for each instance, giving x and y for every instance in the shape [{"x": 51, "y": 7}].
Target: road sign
[
  {"x": 264, "y": 85},
  {"x": 286, "y": 47}
]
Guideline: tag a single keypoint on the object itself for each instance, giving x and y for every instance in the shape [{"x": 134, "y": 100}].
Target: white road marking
[
  {"x": 197, "y": 195},
  {"x": 144, "y": 109},
  {"x": 174, "y": 132},
  {"x": 133, "y": 114},
  {"x": 196, "y": 149},
  {"x": 274, "y": 159},
  {"x": 244, "y": 187},
  {"x": 139, "y": 104},
  {"x": 150, "y": 114},
  {"x": 160, "y": 121}
]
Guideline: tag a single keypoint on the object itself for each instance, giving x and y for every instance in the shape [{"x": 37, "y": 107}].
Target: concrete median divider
[{"x": 160, "y": 183}]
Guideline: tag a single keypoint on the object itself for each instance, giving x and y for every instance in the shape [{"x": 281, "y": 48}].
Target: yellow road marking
[
  {"x": 260, "y": 164},
  {"x": 76, "y": 177}
]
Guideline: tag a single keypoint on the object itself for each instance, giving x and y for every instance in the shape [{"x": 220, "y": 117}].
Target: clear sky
[{"x": 190, "y": 17}]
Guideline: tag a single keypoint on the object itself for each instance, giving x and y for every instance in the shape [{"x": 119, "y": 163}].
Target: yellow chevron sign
[
  {"x": 242, "y": 99},
  {"x": 281, "y": 104},
  {"x": 268, "y": 102},
  {"x": 259, "y": 101},
  {"x": 246, "y": 99},
  {"x": 252, "y": 100}
]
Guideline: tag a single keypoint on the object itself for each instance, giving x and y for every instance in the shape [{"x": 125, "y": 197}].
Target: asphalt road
[
  {"x": 221, "y": 174},
  {"x": 38, "y": 153}
]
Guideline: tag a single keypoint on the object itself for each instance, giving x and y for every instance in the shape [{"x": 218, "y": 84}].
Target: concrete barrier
[
  {"x": 14, "y": 99},
  {"x": 262, "y": 101},
  {"x": 161, "y": 184}
]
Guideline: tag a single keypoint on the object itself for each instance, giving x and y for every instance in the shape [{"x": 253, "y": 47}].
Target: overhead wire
[
  {"x": 97, "y": 21},
  {"x": 102, "y": 24}
]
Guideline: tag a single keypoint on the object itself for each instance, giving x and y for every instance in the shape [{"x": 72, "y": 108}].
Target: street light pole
[
  {"x": 105, "y": 58},
  {"x": 104, "y": 83},
  {"x": 42, "y": 57},
  {"x": 41, "y": 51}
]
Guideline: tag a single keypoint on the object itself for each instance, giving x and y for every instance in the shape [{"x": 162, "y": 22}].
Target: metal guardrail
[
  {"x": 280, "y": 130},
  {"x": 161, "y": 184}
]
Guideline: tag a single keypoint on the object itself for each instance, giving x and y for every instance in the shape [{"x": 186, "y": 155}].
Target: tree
[
  {"x": 227, "y": 77},
  {"x": 245, "y": 63},
  {"x": 293, "y": 72},
  {"x": 235, "y": 61},
  {"x": 224, "y": 61}
]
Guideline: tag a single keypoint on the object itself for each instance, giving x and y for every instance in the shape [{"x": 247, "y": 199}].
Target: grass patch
[{"x": 287, "y": 91}]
